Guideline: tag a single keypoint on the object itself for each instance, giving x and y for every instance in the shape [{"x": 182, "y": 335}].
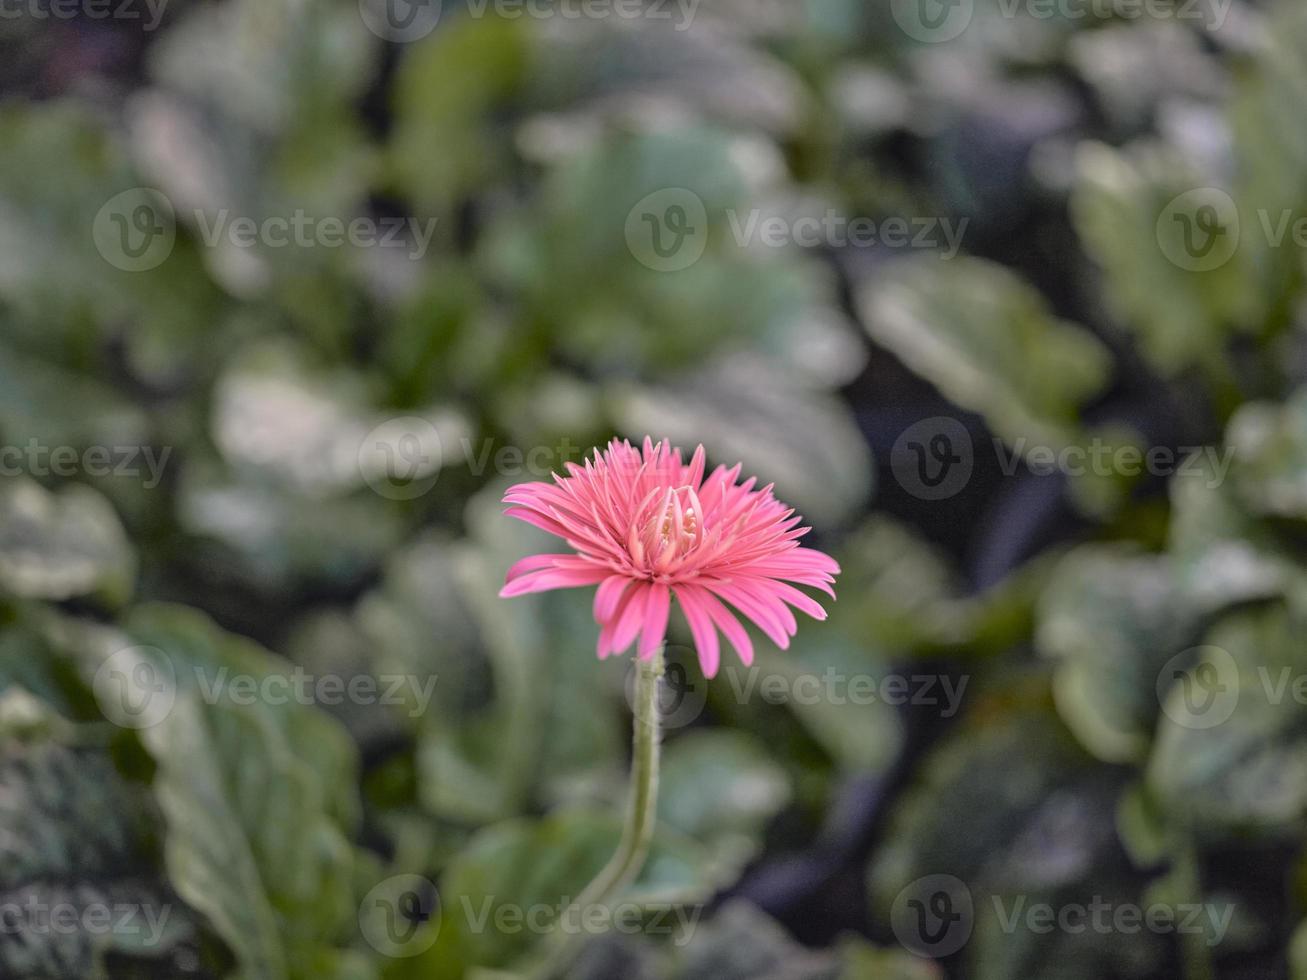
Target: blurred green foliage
[{"x": 256, "y": 375}]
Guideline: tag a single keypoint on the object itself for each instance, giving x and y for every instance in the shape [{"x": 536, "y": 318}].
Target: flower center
[
  {"x": 667, "y": 529},
  {"x": 686, "y": 531}
]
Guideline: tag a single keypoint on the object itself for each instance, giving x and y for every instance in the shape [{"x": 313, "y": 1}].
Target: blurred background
[{"x": 1005, "y": 296}]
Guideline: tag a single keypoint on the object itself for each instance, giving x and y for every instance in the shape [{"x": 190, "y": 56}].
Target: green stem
[{"x": 637, "y": 833}]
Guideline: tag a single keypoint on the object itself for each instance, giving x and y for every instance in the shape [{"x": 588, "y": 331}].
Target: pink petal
[
  {"x": 701, "y": 628},
  {"x": 694, "y": 472},
  {"x": 532, "y": 563},
  {"x": 729, "y": 625},
  {"x": 795, "y": 598},
  {"x": 753, "y": 609},
  {"x": 552, "y": 579},
  {"x": 631, "y": 618},
  {"x": 654, "y": 630},
  {"x": 608, "y": 595},
  {"x": 542, "y": 521},
  {"x": 608, "y": 627}
]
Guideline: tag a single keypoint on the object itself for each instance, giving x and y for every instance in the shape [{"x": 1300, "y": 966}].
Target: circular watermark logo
[
  {"x": 933, "y": 459},
  {"x": 136, "y": 687},
  {"x": 1199, "y": 229},
  {"x": 401, "y": 916},
  {"x": 933, "y": 21},
  {"x": 1199, "y": 687},
  {"x": 401, "y": 458},
  {"x": 933, "y": 916},
  {"x": 401, "y": 21},
  {"x": 682, "y": 693},
  {"x": 136, "y": 230},
  {"x": 667, "y": 231}
]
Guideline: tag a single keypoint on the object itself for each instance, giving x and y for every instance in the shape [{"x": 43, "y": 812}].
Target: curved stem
[{"x": 637, "y": 834}]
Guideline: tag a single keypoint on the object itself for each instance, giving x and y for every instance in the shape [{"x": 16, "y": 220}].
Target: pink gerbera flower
[{"x": 646, "y": 526}]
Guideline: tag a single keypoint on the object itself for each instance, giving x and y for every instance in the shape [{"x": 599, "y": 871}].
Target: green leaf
[
  {"x": 1134, "y": 66},
  {"x": 51, "y": 406},
  {"x": 742, "y": 943},
  {"x": 1110, "y": 617},
  {"x": 253, "y": 117},
  {"x": 748, "y": 789},
  {"x": 254, "y": 533},
  {"x": 1231, "y": 748},
  {"x": 314, "y": 433},
  {"x": 530, "y": 869},
  {"x": 76, "y": 836},
  {"x": 1142, "y": 827},
  {"x": 748, "y": 408},
  {"x": 1130, "y": 214},
  {"x": 1065, "y": 954},
  {"x": 858, "y": 730},
  {"x": 65, "y": 173},
  {"x": 988, "y": 342},
  {"x": 715, "y": 70},
  {"x": 486, "y": 760},
  {"x": 258, "y": 798},
  {"x": 1001, "y": 771},
  {"x": 1298, "y": 953},
  {"x": 897, "y": 590},
  {"x": 1223, "y": 555},
  {"x": 446, "y": 84},
  {"x": 1272, "y": 159},
  {"x": 61, "y": 546},
  {"x": 591, "y": 284},
  {"x": 1270, "y": 443},
  {"x": 1035, "y": 834}
]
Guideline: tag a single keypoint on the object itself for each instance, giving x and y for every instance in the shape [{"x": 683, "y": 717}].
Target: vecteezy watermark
[
  {"x": 938, "y": 21},
  {"x": 33, "y": 916},
  {"x": 1202, "y": 229},
  {"x": 136, "y": 231},
  {"x": 934, "y": 459},
  {"x": 668, "y": 230},
  {"x": 1199, "y": 230},
  {"x": 942, "y": 691},
  {"x": 400, "y": 917},
  {"x": 402, "y": 21},
  {"x": 34, "y": 458},
  {"x": 683, "y": 693},
  {"x": 836, "y": 230},
  {"x": 1105, "y": 918},
  {"x": 329, "y": 690},
  {"x": 1283, "y": 683},
  {"x": 302, "y": 230},
  {"x": 934, "y": 916},
  {"x": 149, "y": 13},
  {"x": 506, "y": 460},
  {"x": 663, "y": 919},
  {"x": 1199, "y": 688},
  {"x": 137, "y": 688},
  {"x": 1102, "y": 458},
  {"x": 402, "y": 458}
]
